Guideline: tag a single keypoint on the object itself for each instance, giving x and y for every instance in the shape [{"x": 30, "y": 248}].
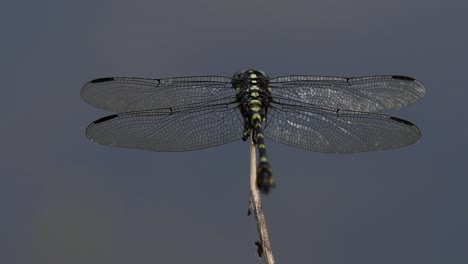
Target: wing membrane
[
  {"x": 125, "y": 94},
  {"x": 365, "y": 94},
  {"x": 169, "y": 130},
  {"x": 322, "y": 130}
]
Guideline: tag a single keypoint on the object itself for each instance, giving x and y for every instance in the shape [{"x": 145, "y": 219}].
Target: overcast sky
[{"x": 64, "y": 199}]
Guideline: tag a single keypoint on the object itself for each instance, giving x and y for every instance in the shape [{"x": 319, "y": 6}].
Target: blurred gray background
[{"x": 64, "y": 199}]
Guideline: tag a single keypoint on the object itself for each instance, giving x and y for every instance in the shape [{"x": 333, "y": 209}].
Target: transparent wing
[
  {"x": 366, "y": 94},
  {"x": 125, "y": 94},
  {"x": 343, "y": 131},
  {"x": 169, "y": 130}
]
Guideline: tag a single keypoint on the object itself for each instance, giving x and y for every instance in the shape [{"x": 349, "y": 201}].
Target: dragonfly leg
[
  {"x": 246, "y": 135},
  {"x": 246, "y": 131}
]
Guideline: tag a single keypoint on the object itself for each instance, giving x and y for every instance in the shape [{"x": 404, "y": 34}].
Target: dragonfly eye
[
  {"x": 262, "y": 73},
  {"x": 237, "y": 75},
  {"x": 241, "y": 74},
  {"x": 246, "y": 73}
]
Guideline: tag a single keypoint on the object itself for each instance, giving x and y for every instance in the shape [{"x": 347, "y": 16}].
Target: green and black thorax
[{"x": 254, "y": 96}]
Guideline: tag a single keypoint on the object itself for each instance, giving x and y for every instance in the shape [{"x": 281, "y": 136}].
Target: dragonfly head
[{"x": 249, "y": 73}]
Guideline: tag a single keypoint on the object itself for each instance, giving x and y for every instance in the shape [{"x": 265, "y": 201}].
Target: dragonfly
[{"x": 315, "y": 113}]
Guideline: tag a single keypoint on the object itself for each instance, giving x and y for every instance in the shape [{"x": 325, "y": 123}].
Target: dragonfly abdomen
[{"x": 264, "y": 174}]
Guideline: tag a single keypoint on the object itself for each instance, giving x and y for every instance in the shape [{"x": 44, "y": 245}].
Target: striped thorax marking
[
  {"x": 254, "y": 119},
  {"x": 254, "y": 102},
  {"x": 255, "y": 108}
]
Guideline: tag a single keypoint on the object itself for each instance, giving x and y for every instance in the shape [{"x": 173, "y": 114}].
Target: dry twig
[{"x": 264, "y": 247}]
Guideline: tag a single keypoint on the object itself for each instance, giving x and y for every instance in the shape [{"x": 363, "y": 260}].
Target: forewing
[
  {"x": 366, "y": 94},
  {"x": 125, "y": 94},
  {"x": 343, "y": 131},
  {"x": 169, "y": 130}
]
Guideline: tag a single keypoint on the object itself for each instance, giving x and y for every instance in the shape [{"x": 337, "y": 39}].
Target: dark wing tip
[
  {"x": 90, "y": 130},
  {"x": 104, "y": 119},
  {"x": 407, "y": 123},
  {"x": 403, "y": 78},
  {"x": 88, "y": 90},
  {"x": 102, "y": 80},
  {"x": 416, "y": 85}
]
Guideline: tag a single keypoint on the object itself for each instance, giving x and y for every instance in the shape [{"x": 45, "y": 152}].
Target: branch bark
[{"x": 256, "y": 207}]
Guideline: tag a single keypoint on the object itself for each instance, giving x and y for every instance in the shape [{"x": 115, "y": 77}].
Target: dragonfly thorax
[{"x": 253, "y": 95}]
